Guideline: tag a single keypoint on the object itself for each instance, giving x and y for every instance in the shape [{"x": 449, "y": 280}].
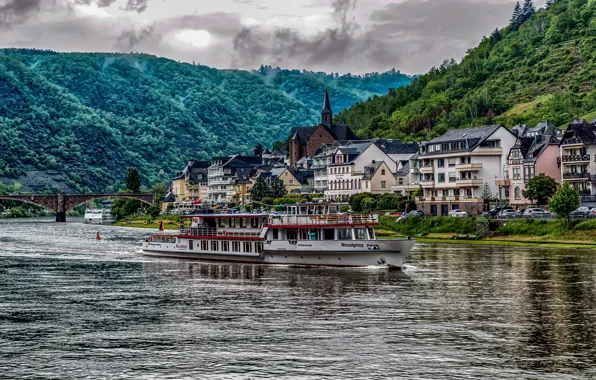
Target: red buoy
[{"x": 97, "y": 236}]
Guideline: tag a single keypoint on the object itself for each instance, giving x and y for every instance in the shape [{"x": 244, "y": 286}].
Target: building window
[
  {"x": 291, "y": 182},
  {"x": 401, "y": 181},
  {"x": 441, "y": 162},
  {"x": 451, "y": 162},
  {"x": 366, "y": 184},
  {"x": 516, "y": 173},
  {"x": 517, "y": 193},
  {"x": 452, "y": 176},
  {"x": 383, "y": 184},
  {"x": 441, "y": 177},
  {"x": 382, "y": 171}
]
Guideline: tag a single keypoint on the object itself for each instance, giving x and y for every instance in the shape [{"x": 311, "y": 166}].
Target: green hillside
[
  {"x": 541, "y": 67},
  {"x": 83, "y": 118}
]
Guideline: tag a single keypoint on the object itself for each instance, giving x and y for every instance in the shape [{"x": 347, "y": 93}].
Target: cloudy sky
[{"x": 329, "y": 35}]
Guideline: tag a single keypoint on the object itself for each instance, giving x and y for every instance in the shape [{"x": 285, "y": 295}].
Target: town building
[
  {"x": 295, "y": 180},
  {"x": 305, "y": 141},
  {"x": 578, "y": 157},
  {"x": 377, "y": 178},
  {"x": 454, "y": 168},
  {"x": 191, "y": 183},
  {"x": 230, "y": 178},
  {"x": 535, "y": 151}
]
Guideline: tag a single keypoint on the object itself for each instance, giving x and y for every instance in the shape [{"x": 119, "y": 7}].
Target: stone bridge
[{"x": 61, "y": 203}]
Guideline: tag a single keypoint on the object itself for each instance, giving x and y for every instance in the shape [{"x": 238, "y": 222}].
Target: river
[{"x": 75, "y": 307}]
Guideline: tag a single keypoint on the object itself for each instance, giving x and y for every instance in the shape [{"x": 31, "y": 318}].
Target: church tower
[{"x": 326, "y": 114}]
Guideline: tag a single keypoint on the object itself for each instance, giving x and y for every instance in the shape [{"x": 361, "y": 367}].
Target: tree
[
  {"x": 159, "y": 190},
  {"x": 277, "y": 188},
  {"x": 133, "y": 180},
  {"x": 540, "y": 188},
  {"x": 259, "y": 149},
  {"x": 565, "y": 201},
  {"x": 259, "y": 190},
  {"x": 516, "y": 17},
  {"x": 487, "y": 194},
  {"x": 528, "y": 10},
  {"x": 495, "y": 36},
  {"x": 280, "y": 145}
]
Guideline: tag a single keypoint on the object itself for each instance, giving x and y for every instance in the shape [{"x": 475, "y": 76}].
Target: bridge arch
[
  {"x": 74, "y": 200},
  {"x": 43, "y": 201}
]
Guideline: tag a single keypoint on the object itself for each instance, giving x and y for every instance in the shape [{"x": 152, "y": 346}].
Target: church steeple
[{"x": 326, "y": 114}]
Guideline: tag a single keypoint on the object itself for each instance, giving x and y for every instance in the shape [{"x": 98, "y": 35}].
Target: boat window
[
  {"x": 328, "y": 234},
  {"x": 304, "y": 235},
  {"x": 344, "y": 234},
  {"x": 232, "y": 223},
  {"x": 259, "y": 247},
  {"x": 371, "y": 233},
  {"x": 204, "y": 245},
  {"x": 275, "y": 234},
  {"x": 225, "y": 246},
  {"x": 254, "y": 222},
  {"x": 243, "y": 223},
  {"x": 191, "y": 244},
  {"x": 222, "y": 222},
  {"x": 235, "y": 246},
  {"x": 360, "y": 233},
  {"x": 312, "y": 235},
  {"x": 214, "y": 245},
  {"x": 292, "y": 234},
  {"x": 247, "y": 246}
]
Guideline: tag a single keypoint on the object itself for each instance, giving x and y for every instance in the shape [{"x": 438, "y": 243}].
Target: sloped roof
[
  {"x": 404, "y": 171},
  {"x": 582, "y": 130},
  {"x": 471, "y": 134},
  {"x": 304, "y": 176},
  {"x": 370, "y": 170},
  {"x": 396, "y": 147},
  {"x": 338, "y": 131},
  {"x": 168, "y": 198}
]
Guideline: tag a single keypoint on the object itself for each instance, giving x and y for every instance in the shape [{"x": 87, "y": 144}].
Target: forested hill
[
  {"x": 84, "y": 117},
  {"x": 540, "y": 67}
]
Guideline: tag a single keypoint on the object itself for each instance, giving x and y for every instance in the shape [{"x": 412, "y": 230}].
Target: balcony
[
  {"x": 575, "y": 158},
  {"x": 572, "y": 141},
  {"x": 427, "y": 184},
  {"x": 469, "y": 167},
  {"x": 222, "y": 182},
  {"x": 427, "y": 169},
  {"x": 415, "y": 170},
  {"x": 576, "y": 176},
  {"x": 469, "y": 182},
  {"x": 503, "y": 182}
]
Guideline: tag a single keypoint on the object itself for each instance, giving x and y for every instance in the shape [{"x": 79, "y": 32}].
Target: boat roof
[{"x": 224, "y": 215}]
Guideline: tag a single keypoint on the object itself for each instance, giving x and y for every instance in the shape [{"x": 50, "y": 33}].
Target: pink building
[{"x": 536, "y": 151}]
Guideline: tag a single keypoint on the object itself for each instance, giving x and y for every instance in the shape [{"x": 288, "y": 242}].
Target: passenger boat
[
  {"x": 98, "y": 216},
  {"x": 306, "y": 235}
]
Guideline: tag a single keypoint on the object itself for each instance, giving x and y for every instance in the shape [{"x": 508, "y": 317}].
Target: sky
[{"x": 356, "y": 36}]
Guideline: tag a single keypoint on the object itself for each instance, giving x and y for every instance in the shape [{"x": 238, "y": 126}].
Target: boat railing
[
  {"x": 215, "y": 232},
  {"x": 162, "y": 239},
  {"x": 279, "y": 220}
]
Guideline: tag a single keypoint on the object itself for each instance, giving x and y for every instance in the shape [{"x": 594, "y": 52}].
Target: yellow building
[
  {"x": 191, "y": 183},
  {"x": 377, "y": 178}
]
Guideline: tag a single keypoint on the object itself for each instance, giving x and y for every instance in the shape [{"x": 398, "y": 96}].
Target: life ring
[
  {"x": 270, "y": 220},
  {"x": 225, "y": 232}
]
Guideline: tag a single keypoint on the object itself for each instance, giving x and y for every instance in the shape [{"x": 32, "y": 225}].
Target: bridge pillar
[{"x": 61, "y": 212}]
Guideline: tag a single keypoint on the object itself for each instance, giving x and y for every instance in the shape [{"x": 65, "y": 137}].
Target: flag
[
  {"x": 161, "y": 225},
  {"x": 406, "y": 211}
]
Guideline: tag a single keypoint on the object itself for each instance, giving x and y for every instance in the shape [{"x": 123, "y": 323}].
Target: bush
[
  {"x": 267, "y": 201},
  {"x": 368, "y": 203},
  {"x": 388, "y": 201},
  {"x": 532, "y": 227},
  {"x": 153, "y": 211},
  {"x": 424, "y": 226},
  {"x": 285, "y": 201},
  {"x": 356, "y": 201}
]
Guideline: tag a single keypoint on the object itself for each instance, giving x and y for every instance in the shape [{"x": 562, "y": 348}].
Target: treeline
[
  {"x": 90, "y": 115},
  {"x": 540, "y": 67}
]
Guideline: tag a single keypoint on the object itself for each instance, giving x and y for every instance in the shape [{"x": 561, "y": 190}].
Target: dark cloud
[
  {"x": 337, "y": 46},
  {"x": 12, "y": 11},
  {"x": 132, "y": 38}
]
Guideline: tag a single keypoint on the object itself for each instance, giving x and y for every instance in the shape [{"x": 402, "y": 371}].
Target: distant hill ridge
[
  {"x": 88, "y": 116},
  {"x": 540, "y": 67}
]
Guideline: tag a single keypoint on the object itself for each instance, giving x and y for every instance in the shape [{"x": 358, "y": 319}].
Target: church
[{"x": 304, "y": 141}]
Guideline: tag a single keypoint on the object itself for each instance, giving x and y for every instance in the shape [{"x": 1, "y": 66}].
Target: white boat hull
[{"x": 348, "y": 253}]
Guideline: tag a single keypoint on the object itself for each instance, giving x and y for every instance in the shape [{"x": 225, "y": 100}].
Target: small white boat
[
  {"x": 308, "y": 235},
  {"x": 98, "y": 216}
]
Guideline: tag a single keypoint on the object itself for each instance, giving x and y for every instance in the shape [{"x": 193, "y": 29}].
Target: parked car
[
  {"x": 507, "y": 213},
  {"x": 416, "y": 213},
  {"x": 458, "y": 213},
  {"x": 536, "y": 213},
  {"x": 592, "y": 213},
  {"x": 495, "y": 211},
  {"x": 580, "y": 212},
  {"x": 520, "y": 213}
]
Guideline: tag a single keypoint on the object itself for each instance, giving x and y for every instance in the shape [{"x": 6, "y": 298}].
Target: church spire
[{"x": 326, "y": 114}]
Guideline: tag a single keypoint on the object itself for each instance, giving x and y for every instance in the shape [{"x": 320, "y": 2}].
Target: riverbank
[{"x": 167, "y": 224}]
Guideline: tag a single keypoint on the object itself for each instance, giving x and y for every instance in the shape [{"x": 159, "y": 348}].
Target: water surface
[{"x": 75, "y": 307}]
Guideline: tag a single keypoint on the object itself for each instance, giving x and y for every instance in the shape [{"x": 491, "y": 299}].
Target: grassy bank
[
  {"x": 520, "y": 232},
  {"x": 170, "y": 222}
]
